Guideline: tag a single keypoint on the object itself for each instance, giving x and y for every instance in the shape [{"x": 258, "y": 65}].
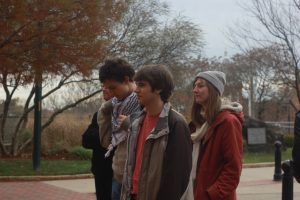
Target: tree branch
[{"x": 8, "y": 39}]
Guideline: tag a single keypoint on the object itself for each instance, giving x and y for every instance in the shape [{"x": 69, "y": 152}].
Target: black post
[
  {"x": 287, "y": 180},
  {"x": 277, "y": 174},
  {"x": 36, "y": 154}
]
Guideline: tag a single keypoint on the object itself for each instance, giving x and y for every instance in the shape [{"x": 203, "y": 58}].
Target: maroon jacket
[{"x": 220, "y": 159}]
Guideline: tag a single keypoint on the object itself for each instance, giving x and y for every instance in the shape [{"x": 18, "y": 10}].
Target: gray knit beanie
[{"x": 216, "y": 78}]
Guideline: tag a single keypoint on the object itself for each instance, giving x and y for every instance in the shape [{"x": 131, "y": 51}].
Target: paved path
[{"x": 256, "y": 184}]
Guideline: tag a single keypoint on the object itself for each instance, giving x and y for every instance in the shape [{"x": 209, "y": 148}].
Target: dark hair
[
  {"x": 116, "y": 69},
  {"x": 159, "y": 78}
]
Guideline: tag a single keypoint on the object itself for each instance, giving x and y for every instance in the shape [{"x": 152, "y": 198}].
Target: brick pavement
[{"x": 39, "y": 191}]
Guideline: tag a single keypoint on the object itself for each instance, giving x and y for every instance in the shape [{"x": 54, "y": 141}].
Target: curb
[
  {"x": 45, "y": 178},
  {"x": 256, "y": 165}
]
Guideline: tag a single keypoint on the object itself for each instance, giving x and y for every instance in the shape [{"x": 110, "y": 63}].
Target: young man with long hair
[{"x": 159, "y": 146}]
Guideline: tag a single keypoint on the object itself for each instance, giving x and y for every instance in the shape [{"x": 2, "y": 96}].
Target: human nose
[{"x": 195, "y": 89}]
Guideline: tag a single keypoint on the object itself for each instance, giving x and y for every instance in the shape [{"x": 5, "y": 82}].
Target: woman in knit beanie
[{"x": 217, "y": 139}]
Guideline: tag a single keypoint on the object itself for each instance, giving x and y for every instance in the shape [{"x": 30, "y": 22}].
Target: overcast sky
[{"x": 213, "y": 17}]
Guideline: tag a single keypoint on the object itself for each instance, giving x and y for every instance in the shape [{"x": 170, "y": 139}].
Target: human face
[
  {"x": 107, "y": 94},
  {"x": 118, "y": 89},
  {"x": 145, "y": 94},
  {"x": 200, "y": 91}
]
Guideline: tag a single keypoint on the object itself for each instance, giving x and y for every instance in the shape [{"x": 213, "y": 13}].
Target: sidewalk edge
[
  {"x": 255, "y": 165},
  {"x": 45, "y": 178}
]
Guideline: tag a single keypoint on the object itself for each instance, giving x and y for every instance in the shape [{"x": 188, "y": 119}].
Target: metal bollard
[
  {"x": 287, "y": 180},
  {"x": 277, "y": 175}
]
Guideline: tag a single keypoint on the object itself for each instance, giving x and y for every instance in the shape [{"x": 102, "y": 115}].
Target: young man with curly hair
[{"x": 117, "y": 75}]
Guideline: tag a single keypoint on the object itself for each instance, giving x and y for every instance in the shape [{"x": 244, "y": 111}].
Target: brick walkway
[{"x": 39, "y": 191}]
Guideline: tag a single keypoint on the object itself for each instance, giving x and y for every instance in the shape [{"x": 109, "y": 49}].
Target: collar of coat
[{"x": 162, "y": 127}]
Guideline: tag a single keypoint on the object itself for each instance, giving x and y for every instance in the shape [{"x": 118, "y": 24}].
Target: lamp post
[{"x": 36, "y": 154}]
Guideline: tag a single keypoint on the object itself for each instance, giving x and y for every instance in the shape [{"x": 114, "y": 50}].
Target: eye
[
  {"x": 140, "y": 84},
  {"x": 197, "y": 86}
]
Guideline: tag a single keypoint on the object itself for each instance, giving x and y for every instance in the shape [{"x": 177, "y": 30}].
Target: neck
[
  {"x": 155, "y": 107},
  {"x": 203, "y": 106},
  {"x": 131, "y": 89}
]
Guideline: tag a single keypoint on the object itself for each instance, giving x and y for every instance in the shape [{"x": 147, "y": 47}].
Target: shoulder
[
  {"x": 177, "y": 122},
  {"x": 107, "y": 104},
  {"x": 175, "y": 116},
  {"x": 228, "y": 117},
  {"x": 106, "y": 107}
]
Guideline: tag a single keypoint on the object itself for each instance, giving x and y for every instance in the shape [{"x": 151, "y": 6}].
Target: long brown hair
[{"x": 212, "y": 107}]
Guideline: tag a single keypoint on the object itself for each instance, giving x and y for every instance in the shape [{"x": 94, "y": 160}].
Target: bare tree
[
  {"x": 279, "y": 27},
  {"x": 63, "y": 85},
  {"x": 146, "y": 34},
  {"x": 256, "y": 71}
]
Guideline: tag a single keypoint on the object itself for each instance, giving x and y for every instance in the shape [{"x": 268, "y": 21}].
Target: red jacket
[{"x": 220, "y": 159}]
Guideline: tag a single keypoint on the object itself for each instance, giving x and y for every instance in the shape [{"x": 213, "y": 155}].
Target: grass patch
[
  {"x": 48, "y": 167},
  {"x": 266, "y": 157},
  {"x": 82, "y": 153},
  {"x": 65, "y": 167}
]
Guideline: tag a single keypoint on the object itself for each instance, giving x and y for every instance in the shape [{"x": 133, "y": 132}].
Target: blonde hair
[{"x": 212, "y": 107}]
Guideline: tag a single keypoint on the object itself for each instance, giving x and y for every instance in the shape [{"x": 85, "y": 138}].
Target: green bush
[
  {"x": 56, "y": 148},
  {"x": 25, "y": 135},
  {"x": 80, "y": 152},
  {"x": 288, "y": 140}
]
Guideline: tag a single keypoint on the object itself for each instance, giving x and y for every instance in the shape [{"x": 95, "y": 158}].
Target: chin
[{"x": 197, "y": 101}]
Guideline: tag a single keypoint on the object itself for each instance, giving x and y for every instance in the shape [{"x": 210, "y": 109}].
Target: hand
[{"x": 121, "y": 119}]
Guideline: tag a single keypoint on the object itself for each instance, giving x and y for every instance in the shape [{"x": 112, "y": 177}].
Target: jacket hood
[{"x": 234, "y": 108}]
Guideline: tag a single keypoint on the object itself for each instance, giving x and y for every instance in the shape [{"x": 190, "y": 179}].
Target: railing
[{"x": 286, "y": 127}]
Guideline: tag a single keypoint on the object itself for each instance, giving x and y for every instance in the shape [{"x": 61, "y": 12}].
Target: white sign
[{"x": 257, "y": 136}]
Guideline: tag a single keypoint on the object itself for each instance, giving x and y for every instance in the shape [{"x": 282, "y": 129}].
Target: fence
[{"x": 284, "y": 127}]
